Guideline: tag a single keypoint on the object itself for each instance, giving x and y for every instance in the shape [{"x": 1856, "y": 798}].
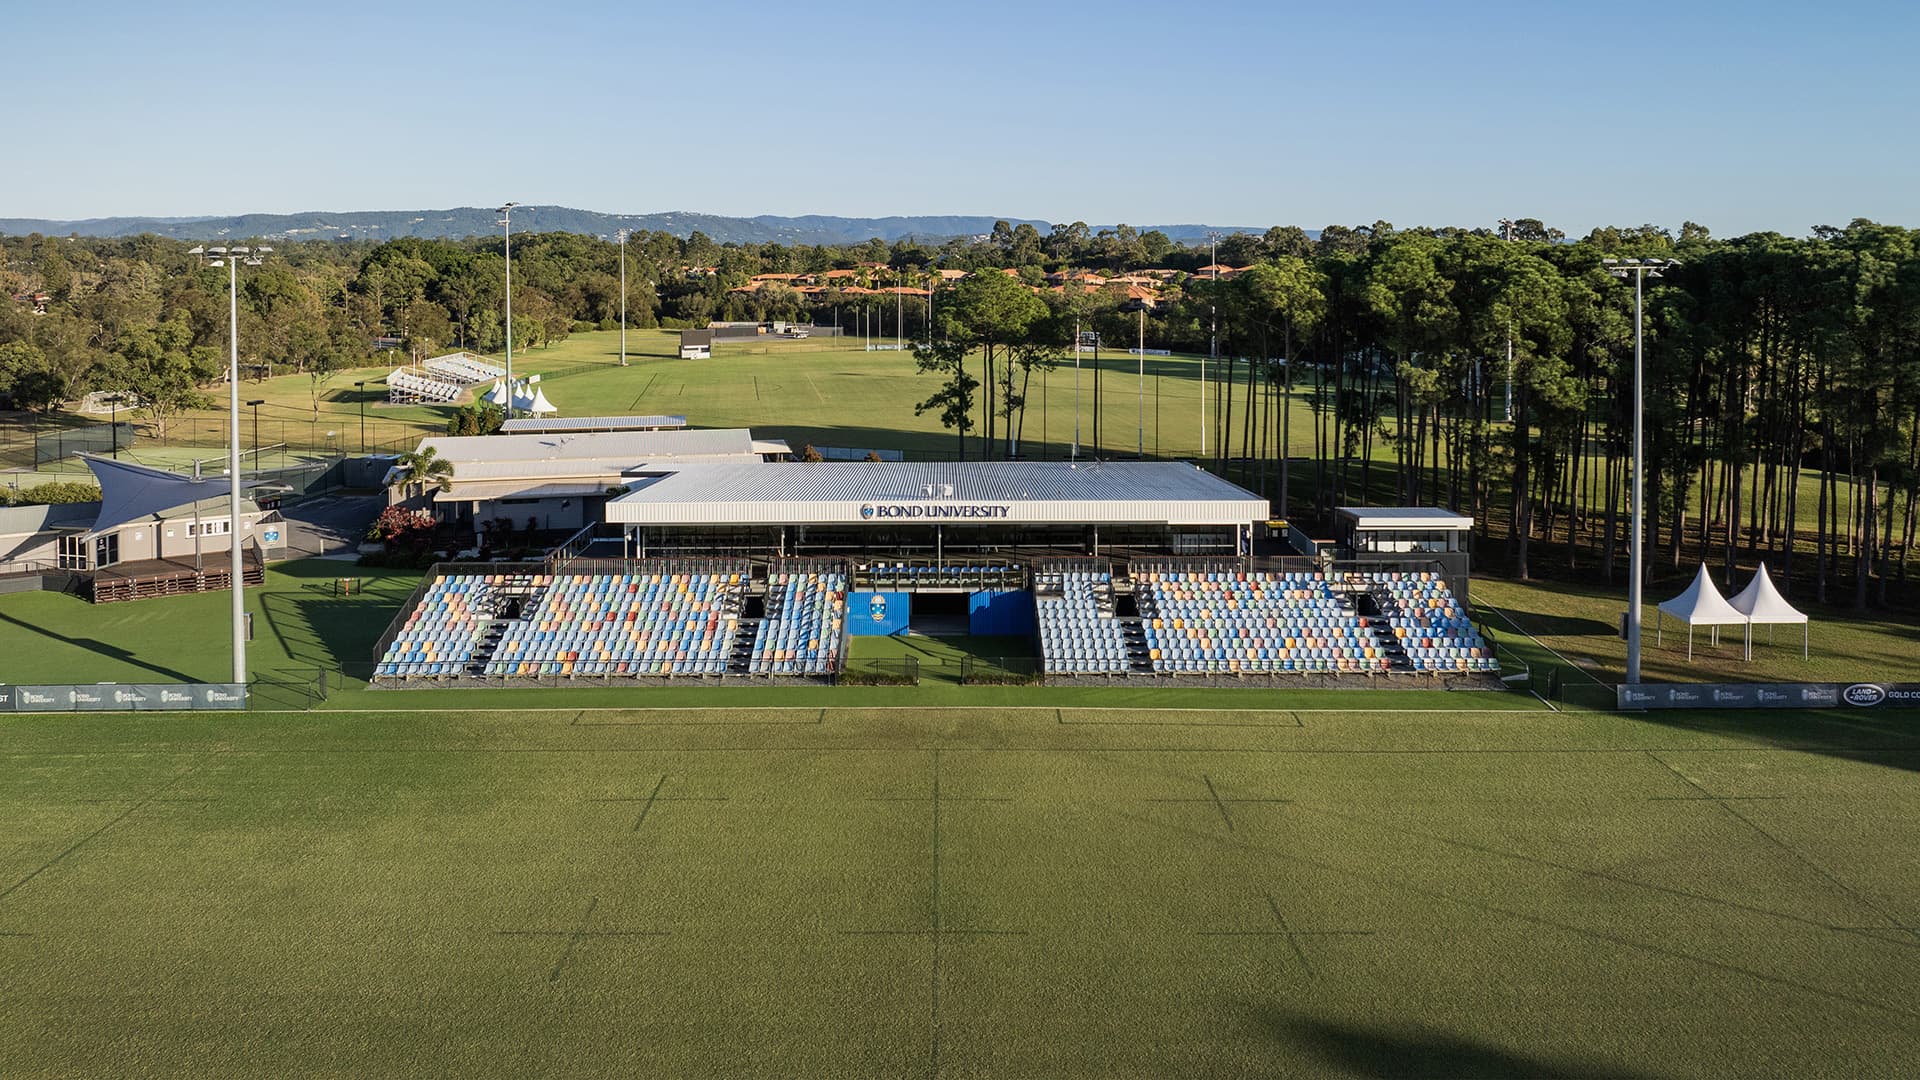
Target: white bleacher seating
[
  {"x": 464, "y": 368},
  {"x": 406, "y": 387}
]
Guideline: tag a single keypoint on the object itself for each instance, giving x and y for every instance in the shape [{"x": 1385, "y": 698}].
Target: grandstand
[
  {"x": 1139, "y": 571},
  {"x": 658, "y": 618},
  {"x": 464, "y": 368},
  {"x": 408, "y": 387},
  {"x": 1183, "y": 620},
  {"x": 1212, "y": 618}
]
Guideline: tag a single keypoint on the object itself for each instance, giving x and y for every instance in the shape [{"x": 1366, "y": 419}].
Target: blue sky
[{"x": 1744, "y": 117}]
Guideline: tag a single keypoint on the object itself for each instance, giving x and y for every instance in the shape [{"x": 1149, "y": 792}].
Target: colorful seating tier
[
  {"x": 441, "y": 632},
  {"x": 1230, "y": 621},
  {"x": 804, "y": 625},
  {"x": 1429, "y": 624},
  {"x": 626, "y": 624},
  {"x": 1078, "y": 633}
]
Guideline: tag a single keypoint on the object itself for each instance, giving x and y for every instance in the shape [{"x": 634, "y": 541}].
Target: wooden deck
[{"x": 145, "y": 578}]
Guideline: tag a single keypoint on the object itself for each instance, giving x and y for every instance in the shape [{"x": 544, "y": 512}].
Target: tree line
[{"x": 1783, "y": 373}]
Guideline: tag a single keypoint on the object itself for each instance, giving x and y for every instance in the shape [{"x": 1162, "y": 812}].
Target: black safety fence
[{"x": 1000, "y": 670}]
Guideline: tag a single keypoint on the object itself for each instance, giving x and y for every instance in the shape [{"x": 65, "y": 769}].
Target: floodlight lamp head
[
  {"x": 237, "y": 250},
  {"x": 196, "y": 250},
  {"x": 263, "y": 249},
  {"x": 216, "y": 251}
]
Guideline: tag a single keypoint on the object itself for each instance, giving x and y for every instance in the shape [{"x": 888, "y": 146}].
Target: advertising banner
[
  {"x": 1768, "y": 695},
  {"x": 877, "y": 614},
  {"x": 122, "y": 697}
]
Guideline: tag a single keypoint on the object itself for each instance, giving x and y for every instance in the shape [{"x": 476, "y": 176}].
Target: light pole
[
  {"x": 1639, "y": 270},
  {"x": 1213, "y": 333},
  {"x": 506, "y": 219},
  {"x": 236, "y": 581},
  {"x": 360, "y": 389},
  {"x": 1140, "y": 403},
  {"x": 1506, "y": 233},
  {"x": 1076, "y": 388},
  {"x": 622, "y": 235},
  {"x": 255, "y": 404}
]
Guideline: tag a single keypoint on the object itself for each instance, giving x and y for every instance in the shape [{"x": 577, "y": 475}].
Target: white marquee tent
[
  {"x": 528, "y": 396},
  {"x": 1702, "y": 605},
  {"x": 1763, "y": 605}
]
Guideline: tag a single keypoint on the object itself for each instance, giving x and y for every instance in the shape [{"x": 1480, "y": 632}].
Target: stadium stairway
[{"x": 514, "y": 599}]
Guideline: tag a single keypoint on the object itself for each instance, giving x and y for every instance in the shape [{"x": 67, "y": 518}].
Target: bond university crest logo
[{"x": 866, "y": 511}]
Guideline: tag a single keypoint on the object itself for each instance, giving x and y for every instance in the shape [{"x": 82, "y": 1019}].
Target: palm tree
[{"x": 425, "y": 467}]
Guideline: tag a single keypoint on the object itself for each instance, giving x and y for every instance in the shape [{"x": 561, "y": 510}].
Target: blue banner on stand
[
  {"x": 1002, "y": 614},
  {"x": 876, "y": 614}
]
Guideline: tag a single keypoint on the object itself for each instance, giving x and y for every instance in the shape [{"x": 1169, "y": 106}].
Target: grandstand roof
[
  {"x": 632, "y": 446},
  {"x": 1404, "y": 517},
  {"x": 550, "y": 425},
  {"x": 893, "y": 493}
]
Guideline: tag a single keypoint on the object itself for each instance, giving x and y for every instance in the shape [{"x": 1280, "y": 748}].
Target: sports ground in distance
[{"x": 961, "y": 892}]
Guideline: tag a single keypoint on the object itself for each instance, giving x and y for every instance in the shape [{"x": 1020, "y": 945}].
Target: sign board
[
  {"x": 122, "y": 697},
  {"x": 877, "y": 614},
  {"x": 1863, "y": 695}
]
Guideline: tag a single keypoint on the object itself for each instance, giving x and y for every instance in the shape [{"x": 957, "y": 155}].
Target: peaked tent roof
[
  {"x": 1762, "y": 603},
  {"x": 129, "y": 492},
  {"x": 1702, "y": 604}
]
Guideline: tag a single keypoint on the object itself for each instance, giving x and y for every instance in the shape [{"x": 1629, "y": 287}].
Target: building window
[
  {"x": 214, "y": 527},
  {"x": 72, "y": 553},
  {"x": 106, "y": 550}
]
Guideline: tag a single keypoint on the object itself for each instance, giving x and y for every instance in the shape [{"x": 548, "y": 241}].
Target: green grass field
[
  {"x": 944, "y": 880},
  {"x": 854, "y": 892},
  {"x": 829, "y": 393}
]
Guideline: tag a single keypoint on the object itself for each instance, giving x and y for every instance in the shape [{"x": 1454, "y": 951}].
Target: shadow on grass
[
  {"x": 1541, "y": 624},
  {"x": 1409, "y": 1052},
  {"x": 1883, "y": 738},
  {"x": 101, "y": 648}
]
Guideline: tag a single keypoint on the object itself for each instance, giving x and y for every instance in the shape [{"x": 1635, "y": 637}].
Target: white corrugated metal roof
[
  {"x": 1404, "y": 517},
  {"x": 632, "y": 446},
  {"x": 924, "y": 492}
]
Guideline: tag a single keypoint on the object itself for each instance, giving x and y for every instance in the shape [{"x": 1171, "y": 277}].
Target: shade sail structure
[
  {"x": 1702, "y": 605},
  {"x": 1763, "y": 605},
  {"x": 129, "y": 492}
]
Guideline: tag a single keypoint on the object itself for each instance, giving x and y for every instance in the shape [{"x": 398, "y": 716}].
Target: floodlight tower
[
  {"x": 1639, "y": 270},
  {"x": 232, "y": 257},
  {"x": 1506, "y": 233},
  {"x": 1213, "y": 335},
  {"x": 622, "y": 236},
  {"x": 506, "y": 219}
]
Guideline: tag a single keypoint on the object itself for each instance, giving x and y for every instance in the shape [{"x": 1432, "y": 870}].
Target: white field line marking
[{"x": 874, "y": 708}]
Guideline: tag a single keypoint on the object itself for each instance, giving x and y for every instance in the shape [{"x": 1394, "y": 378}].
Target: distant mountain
[{"x": 474, "y": 221}]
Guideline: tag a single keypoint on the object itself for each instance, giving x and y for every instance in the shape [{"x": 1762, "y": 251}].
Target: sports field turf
[{"x": 998, "y": 892}]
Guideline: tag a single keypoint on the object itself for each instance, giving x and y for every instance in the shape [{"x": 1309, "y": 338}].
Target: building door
[{"x": 106, "y": 550}]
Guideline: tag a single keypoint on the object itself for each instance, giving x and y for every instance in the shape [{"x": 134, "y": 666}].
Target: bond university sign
[{"x": 934, "y": 511}]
